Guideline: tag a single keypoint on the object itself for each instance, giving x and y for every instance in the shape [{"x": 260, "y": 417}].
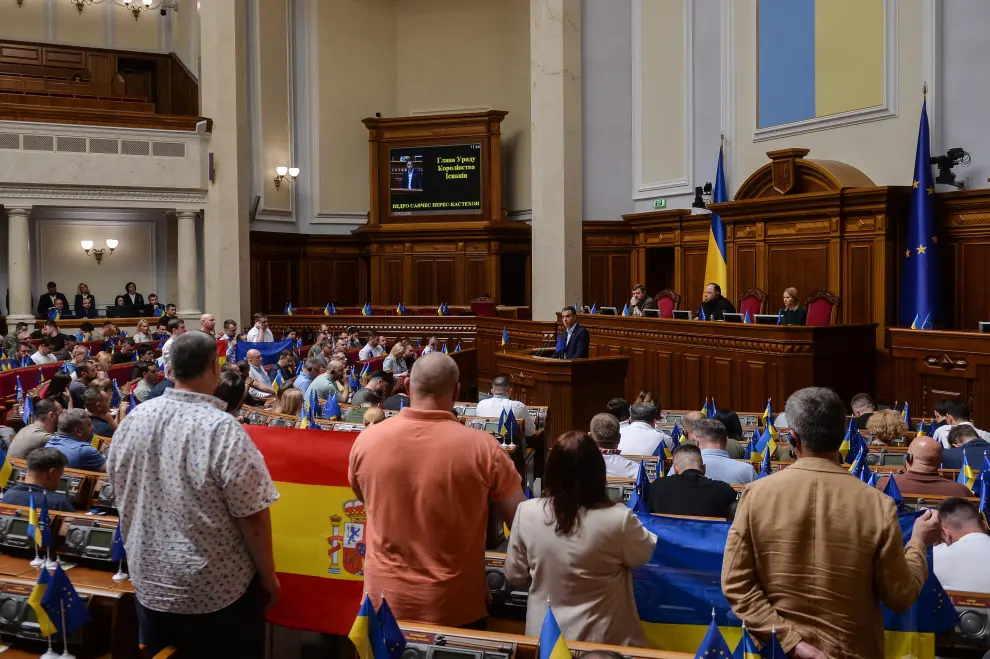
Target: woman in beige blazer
[{"x": 577, "y": 547}]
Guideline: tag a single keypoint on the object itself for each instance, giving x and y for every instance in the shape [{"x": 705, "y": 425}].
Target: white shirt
[
  {"x": 167, "y": 356},
  {"x": 942, "y": 433},
  {"x": 367, "y": 352},
  {"x": 961, "y": 566},
  {"x": 183, "y": 471},
  {"x": 617, "y": 466},
  {"x": 40, "y": 359},
  {"x": 640, "y": 438},
  {"x": 492, "y": 407},
  {"x": 427, "y": 350},
  {"x": 255, "y": 336},
  {"x": 141, "y": 337}
]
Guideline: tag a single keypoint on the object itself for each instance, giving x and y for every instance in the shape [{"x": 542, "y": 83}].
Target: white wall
[{"x": 965, "y": 90}]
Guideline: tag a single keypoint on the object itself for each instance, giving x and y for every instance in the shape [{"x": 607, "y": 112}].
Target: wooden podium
[{"x": 574, "y": 390}]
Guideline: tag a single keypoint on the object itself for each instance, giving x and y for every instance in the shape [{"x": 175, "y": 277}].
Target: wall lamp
[
  {"x": 281, "y": 171},
  {"x": 87, "y": 246}
]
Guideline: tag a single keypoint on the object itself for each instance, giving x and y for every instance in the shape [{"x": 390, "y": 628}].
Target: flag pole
[
  {"x": 50, "y": 653},
  {"x": 37, "y": 561},
  {"x": 121, "y": 575},
  {"x": 65, "y": 637}
]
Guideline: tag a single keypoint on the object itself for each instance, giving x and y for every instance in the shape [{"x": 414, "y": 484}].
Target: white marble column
[
  {"x": 223, "y": 86},
  {"x": 188, "y": 268},
  {"x": 19, "y": 267},
  {"x": 555, "y": 104}
]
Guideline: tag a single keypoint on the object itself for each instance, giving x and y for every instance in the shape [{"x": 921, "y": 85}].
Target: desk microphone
[{"x": 547, "y": 340}]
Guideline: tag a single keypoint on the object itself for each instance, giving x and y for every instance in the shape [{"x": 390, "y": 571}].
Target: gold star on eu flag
[
  {"x": 931, "y": 190},
  {"x": 915, "y": 185},
  {"x": 907, "y": 253},
  {"x": 921, "y": 249}
]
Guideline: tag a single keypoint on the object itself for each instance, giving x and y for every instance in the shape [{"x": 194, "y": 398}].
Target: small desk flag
[
  {"x": 64, "y": 606},
  {"x": 366, "y": 634},
  {"x": 47, "y": 627},
  {"x": 552, "y": 644}
]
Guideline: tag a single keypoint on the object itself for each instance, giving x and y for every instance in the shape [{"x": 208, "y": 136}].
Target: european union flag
[
  {"x": 713, "y": 646},
  {"x": 366, "y": 633},
  {"x": 18, "y": 389},
  {"x": 118, "y": 545},
  {"x": 444, "y": 349},
  {"x": 561, "y": 345},
  {"x": 392, "y": 636},
  {"x": 712, "y": 411},
  {"x": 675, "y": 437},
  {"x": 511, "y": 426},
  {"x": 643, "y": 482},
  {"x": 701, "y": 314},
  {"x": 594, "y": 308},
  {"x": 920, "y": 271},
  {"x": 115, "y": 397},
  {"x": 772, "y": 649},
  {"x": 330, "y": 309},
  {"x": 331, "y": 408},
  {"x": 353, "y": 381},
  {"x": 61, "y": 600},
  {"x": 894, "y": 492},
  {"x": 27, "y": 416}
]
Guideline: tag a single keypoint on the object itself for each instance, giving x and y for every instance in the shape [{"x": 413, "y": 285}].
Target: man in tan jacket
[{"x": 813, "y": 550}]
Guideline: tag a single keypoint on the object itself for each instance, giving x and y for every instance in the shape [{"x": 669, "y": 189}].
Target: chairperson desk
[
  {"x": 573, "y": 389},
  {"x": 739, "y": 365},
  {"x": 930, "y": 365}
]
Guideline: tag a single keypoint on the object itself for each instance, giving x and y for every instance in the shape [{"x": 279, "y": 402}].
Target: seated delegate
[
  {"x": 791, "y": 313},
  {"x": 578, "y": 548}
]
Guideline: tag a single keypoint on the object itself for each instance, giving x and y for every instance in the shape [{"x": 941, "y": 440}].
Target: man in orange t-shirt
[{"x": 426, "y": 481}]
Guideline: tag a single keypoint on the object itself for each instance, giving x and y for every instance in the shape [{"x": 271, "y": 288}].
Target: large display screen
[{"x": 435, "y": 180}]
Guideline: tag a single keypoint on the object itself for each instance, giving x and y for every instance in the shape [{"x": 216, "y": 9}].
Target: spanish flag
[
  {"x": 552, "y": 644},
  {"x": 47, "y": 628},
  {"x": 715, "y": 265},
  {"x": 318, "y": 528}
]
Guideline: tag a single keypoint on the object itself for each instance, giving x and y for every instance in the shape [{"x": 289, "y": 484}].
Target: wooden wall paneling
[
  {"x": 721, "y": 379},
  {"x": 343, "y": 279},
  {"x": 619, "y": 279},
  {"x": 475, "y": 282},
  {"x": 858, "y": 299},
  {"x": 974, "y": 272},
  {"x": 694, "y": 258},
  {"x": 745, "y": 268},
  {"x": 424, "y": 280},
  {"x": 804, "y": 266},
  {"x": 393, "y": 280},
  {"x": 446, "y": 280},
  {"x": 596, "y": 285}
]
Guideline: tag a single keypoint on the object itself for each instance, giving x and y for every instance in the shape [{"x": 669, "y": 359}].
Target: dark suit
[
  {"x": 417, "y": 179},
  {"x": 45, "y": 303},
  {"x": 973, "y": 449},
  {"x": 138, "y": 300},
  {"x": 691, "y": 493},
  {"x": 647, "y": 303},
  {"x": 577, "y": 344},
  {"x": 862, "y": 420},
  {"x": 714, "y": 309},
  {"x": 82, "y": 313}
]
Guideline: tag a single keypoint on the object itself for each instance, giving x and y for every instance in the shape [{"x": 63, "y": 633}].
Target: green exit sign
[{"x": 659, "y": 203}]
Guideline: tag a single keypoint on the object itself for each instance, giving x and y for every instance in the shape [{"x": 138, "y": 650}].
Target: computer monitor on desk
[
  {"x": 609, "y": 311},
  {"x": 651, "y": 313},
  {"x": 682, "y": 314},
  {"x": 984, "y": 327},
  {"x": 766, "y": 319},
  {"x": 732, "y": 317}
]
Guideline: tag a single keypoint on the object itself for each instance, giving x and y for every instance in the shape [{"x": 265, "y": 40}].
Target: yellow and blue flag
[
  {"x": 34, "y": 523},
  {"x": 967, "y": 476},
  {"x": 289, "y": 310},
  {"x": 444, "y": 348},
  {"x": 6, "y": 469},
  {"x": 400, "y": 309},
  {"x": 920, "y": 283},
  {"x": 45, "y": 624},
  {"x": 704, "y": 409},
  {"x": 625, "y": 310},
  {"x": 277, "y": 381},
  {"x": 906, "y": 415},
  {"x": 500, "y": 431},
  {"x": 64, "y": 606},
  {"x": 366, "y": 309},
  {"x": 458, "y": 347},
  {"x": 366, "y": 633},
  {"x": 392, "y": 636},
  {"x": 552, "y": 644},
  {"x": 747, "y": 647},
  {"x": 53, "y": 314},
  {"x": 768, "y": 419},
  {"x": 715, "y": 268},
  {"x": 330, "y": 309},
  {"x": 505, "y": 337}
]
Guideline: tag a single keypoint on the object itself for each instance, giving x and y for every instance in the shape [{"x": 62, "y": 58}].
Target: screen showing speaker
[{"x": 435, "y": 180}]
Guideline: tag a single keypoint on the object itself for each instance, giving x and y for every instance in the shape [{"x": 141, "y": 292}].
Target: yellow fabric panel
[{"x": 849, "y": 55}]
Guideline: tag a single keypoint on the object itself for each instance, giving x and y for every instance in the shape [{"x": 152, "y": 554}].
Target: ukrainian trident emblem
[{"x": 350, "y": 543}]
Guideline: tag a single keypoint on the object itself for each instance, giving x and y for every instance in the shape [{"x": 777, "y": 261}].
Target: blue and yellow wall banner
[{"x": 818, "y": 58}]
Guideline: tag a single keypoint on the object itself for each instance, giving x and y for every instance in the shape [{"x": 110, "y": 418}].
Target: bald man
[
  {"x": 262, "y": 386},
  {"x": 208, "y": 324},
  {"x": 921, "y": 472},
  {"x": 687, "y": 426},
  {"x": 426, "y": 482}
]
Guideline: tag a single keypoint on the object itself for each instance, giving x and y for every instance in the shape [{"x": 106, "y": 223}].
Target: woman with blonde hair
[
  {"x": 791, "y": 313},
  {"x": 885, "y": 426},
  {"x": 395, "y": 363},
  {"x": 104, "y": 360},
  {"x": 290, "y": 402},
  {"x": 143, "y": 334},
  {"x": 373, "y": 415},
  {"x": 82, "y": 293}
]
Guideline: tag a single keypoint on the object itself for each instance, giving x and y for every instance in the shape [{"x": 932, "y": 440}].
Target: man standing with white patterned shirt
[{"x": 194, "y": 494}]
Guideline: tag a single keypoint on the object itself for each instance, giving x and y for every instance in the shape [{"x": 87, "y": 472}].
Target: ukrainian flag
[
  {"x": 768, "y": 420},
  {"x": 967, "y": 476},
  {"x": 47, "y": 628},
  {"x": 715, "y": 265},
  {"x": 552, "y": 644},
  {"x": 505, "y": 337},
  {"x": 277, "y": 381},
  {"x": 366, "y": 309},
  {"x": 366, "y": 633},
  {"x": 5, "y": 468},
  {"x": 747, "y": 647},
  {"x": 289, "y": 311},
  {"x": 329, "y": 310},
  {"x": 34, "y": 523}
]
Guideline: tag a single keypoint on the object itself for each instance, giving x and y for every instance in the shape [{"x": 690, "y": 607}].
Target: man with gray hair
[
  {"x": 813, "y": 551},
  {"x": 75, "y": 432},
  {"x": 605, "y": 431},
  {"x": 499, "y": 401},
  {"x": 194, "y": 494},
  {"x": 640, "y": 437}
]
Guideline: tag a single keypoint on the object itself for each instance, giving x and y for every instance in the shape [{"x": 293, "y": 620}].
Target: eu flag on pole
[
  {"x": 920, "y": 271},
  {"x": 715, "y": 270},
  {"x": 561, "y": 346},
  {"x": 119, "y": 553},
  {"x": 64, "y": 606}
]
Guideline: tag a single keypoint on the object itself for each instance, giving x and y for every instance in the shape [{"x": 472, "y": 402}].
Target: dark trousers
[{"x": 234, "y": 631}]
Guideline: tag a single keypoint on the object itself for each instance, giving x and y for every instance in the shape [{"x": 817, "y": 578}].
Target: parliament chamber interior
[{"x": 461, "y": 329}]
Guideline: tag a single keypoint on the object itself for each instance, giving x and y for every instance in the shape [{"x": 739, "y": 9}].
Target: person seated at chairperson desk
[
  {"x": 714, "y": 305},
  {"x": 791, "y": 313}
]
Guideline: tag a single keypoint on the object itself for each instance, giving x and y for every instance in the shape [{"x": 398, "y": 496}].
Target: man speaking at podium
[{"x": 576, "y": 338}]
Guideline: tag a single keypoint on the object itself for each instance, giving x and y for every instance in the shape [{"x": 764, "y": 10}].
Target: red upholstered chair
[
  {"x": 821, "y": 306},
  {"x": 667, "y": 301},
  {"x": 752, "y": 301},
  {"x": 483, "y": 306}
]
